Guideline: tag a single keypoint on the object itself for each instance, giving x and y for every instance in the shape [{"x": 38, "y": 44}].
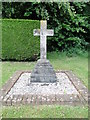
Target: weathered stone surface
[
  {"x": 24, "y": 100},
  {"x": 43, "y": 32},
  {"x": 39, "y": 99},
  {"x": 19, "y": 99},
  {"x": 43, "y": 72},
  {"x": 44, "y": 99},
  {"x": 14, "y": 100},
  {"x": 29, "y": 99},
  {"x": 33, "y": 101},
  {"x": 9, "y": 101}
]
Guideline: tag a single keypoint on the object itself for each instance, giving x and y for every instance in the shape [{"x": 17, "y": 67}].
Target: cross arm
[
  {"x": 50, "y": 32},
  {"x": 36, "y": 32}
]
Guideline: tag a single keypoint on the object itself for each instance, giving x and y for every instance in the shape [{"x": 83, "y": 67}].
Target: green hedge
[{"x": 18, "y": 42}]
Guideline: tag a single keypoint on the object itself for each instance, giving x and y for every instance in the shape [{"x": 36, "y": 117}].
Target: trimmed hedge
[{"x": 18, "y": 42}]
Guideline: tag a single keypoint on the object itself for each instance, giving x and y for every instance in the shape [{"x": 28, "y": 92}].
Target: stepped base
[{"x": 43, "y": 72}]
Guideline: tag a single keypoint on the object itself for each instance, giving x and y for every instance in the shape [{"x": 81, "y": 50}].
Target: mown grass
[
  {"x": 54, "y": 111},
  {"x": 9, "y": 68},
  {"x": 79, "y": 66}
]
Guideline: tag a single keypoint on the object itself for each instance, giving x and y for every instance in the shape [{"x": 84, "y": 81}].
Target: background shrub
[
  {"x": 70, "y": 21},
  {"x": 18, "y": 42}
]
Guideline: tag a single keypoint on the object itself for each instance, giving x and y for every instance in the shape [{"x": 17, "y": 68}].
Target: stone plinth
[{"x": 43, "y": 72}]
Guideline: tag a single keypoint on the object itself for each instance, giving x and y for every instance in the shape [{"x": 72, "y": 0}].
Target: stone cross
[{"x": 43, "y": 32}]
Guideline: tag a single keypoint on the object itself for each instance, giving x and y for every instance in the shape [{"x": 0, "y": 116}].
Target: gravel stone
[{"x": 24, "y": 86}]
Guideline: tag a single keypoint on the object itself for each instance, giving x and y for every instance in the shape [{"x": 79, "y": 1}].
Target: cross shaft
[{"x": 43, "y": 32}]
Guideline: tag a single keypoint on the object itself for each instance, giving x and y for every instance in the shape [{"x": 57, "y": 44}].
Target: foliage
[
  {"x": 68, "y": 19},
  {"x": 18, "y": 42}
]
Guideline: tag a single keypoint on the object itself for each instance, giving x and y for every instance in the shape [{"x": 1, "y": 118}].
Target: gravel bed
[{"x": 23, "y": 86}]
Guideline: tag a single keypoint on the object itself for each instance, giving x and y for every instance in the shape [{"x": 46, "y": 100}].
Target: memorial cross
[{"x": 43, "y": 32}]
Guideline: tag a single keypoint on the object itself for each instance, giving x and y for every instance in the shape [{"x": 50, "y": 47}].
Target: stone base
[{"x": 43, "y": 72}]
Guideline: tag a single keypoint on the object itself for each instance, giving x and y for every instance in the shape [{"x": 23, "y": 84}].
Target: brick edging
[
  {"x": 82, "y": 98},
  {"x": 78, "y": 85},
  {"x": 33, "y": 99}
]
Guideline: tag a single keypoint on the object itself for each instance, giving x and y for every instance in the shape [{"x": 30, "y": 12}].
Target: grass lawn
[
  {"x": 79, "y": 66},
  {"x": 45, "y": 112}
]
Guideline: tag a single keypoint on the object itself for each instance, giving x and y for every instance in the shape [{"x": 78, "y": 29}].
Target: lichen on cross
[{"x": 43, "y": 32}]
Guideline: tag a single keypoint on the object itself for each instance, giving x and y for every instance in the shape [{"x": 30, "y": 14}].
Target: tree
[{"x": 70, "y": 25}]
